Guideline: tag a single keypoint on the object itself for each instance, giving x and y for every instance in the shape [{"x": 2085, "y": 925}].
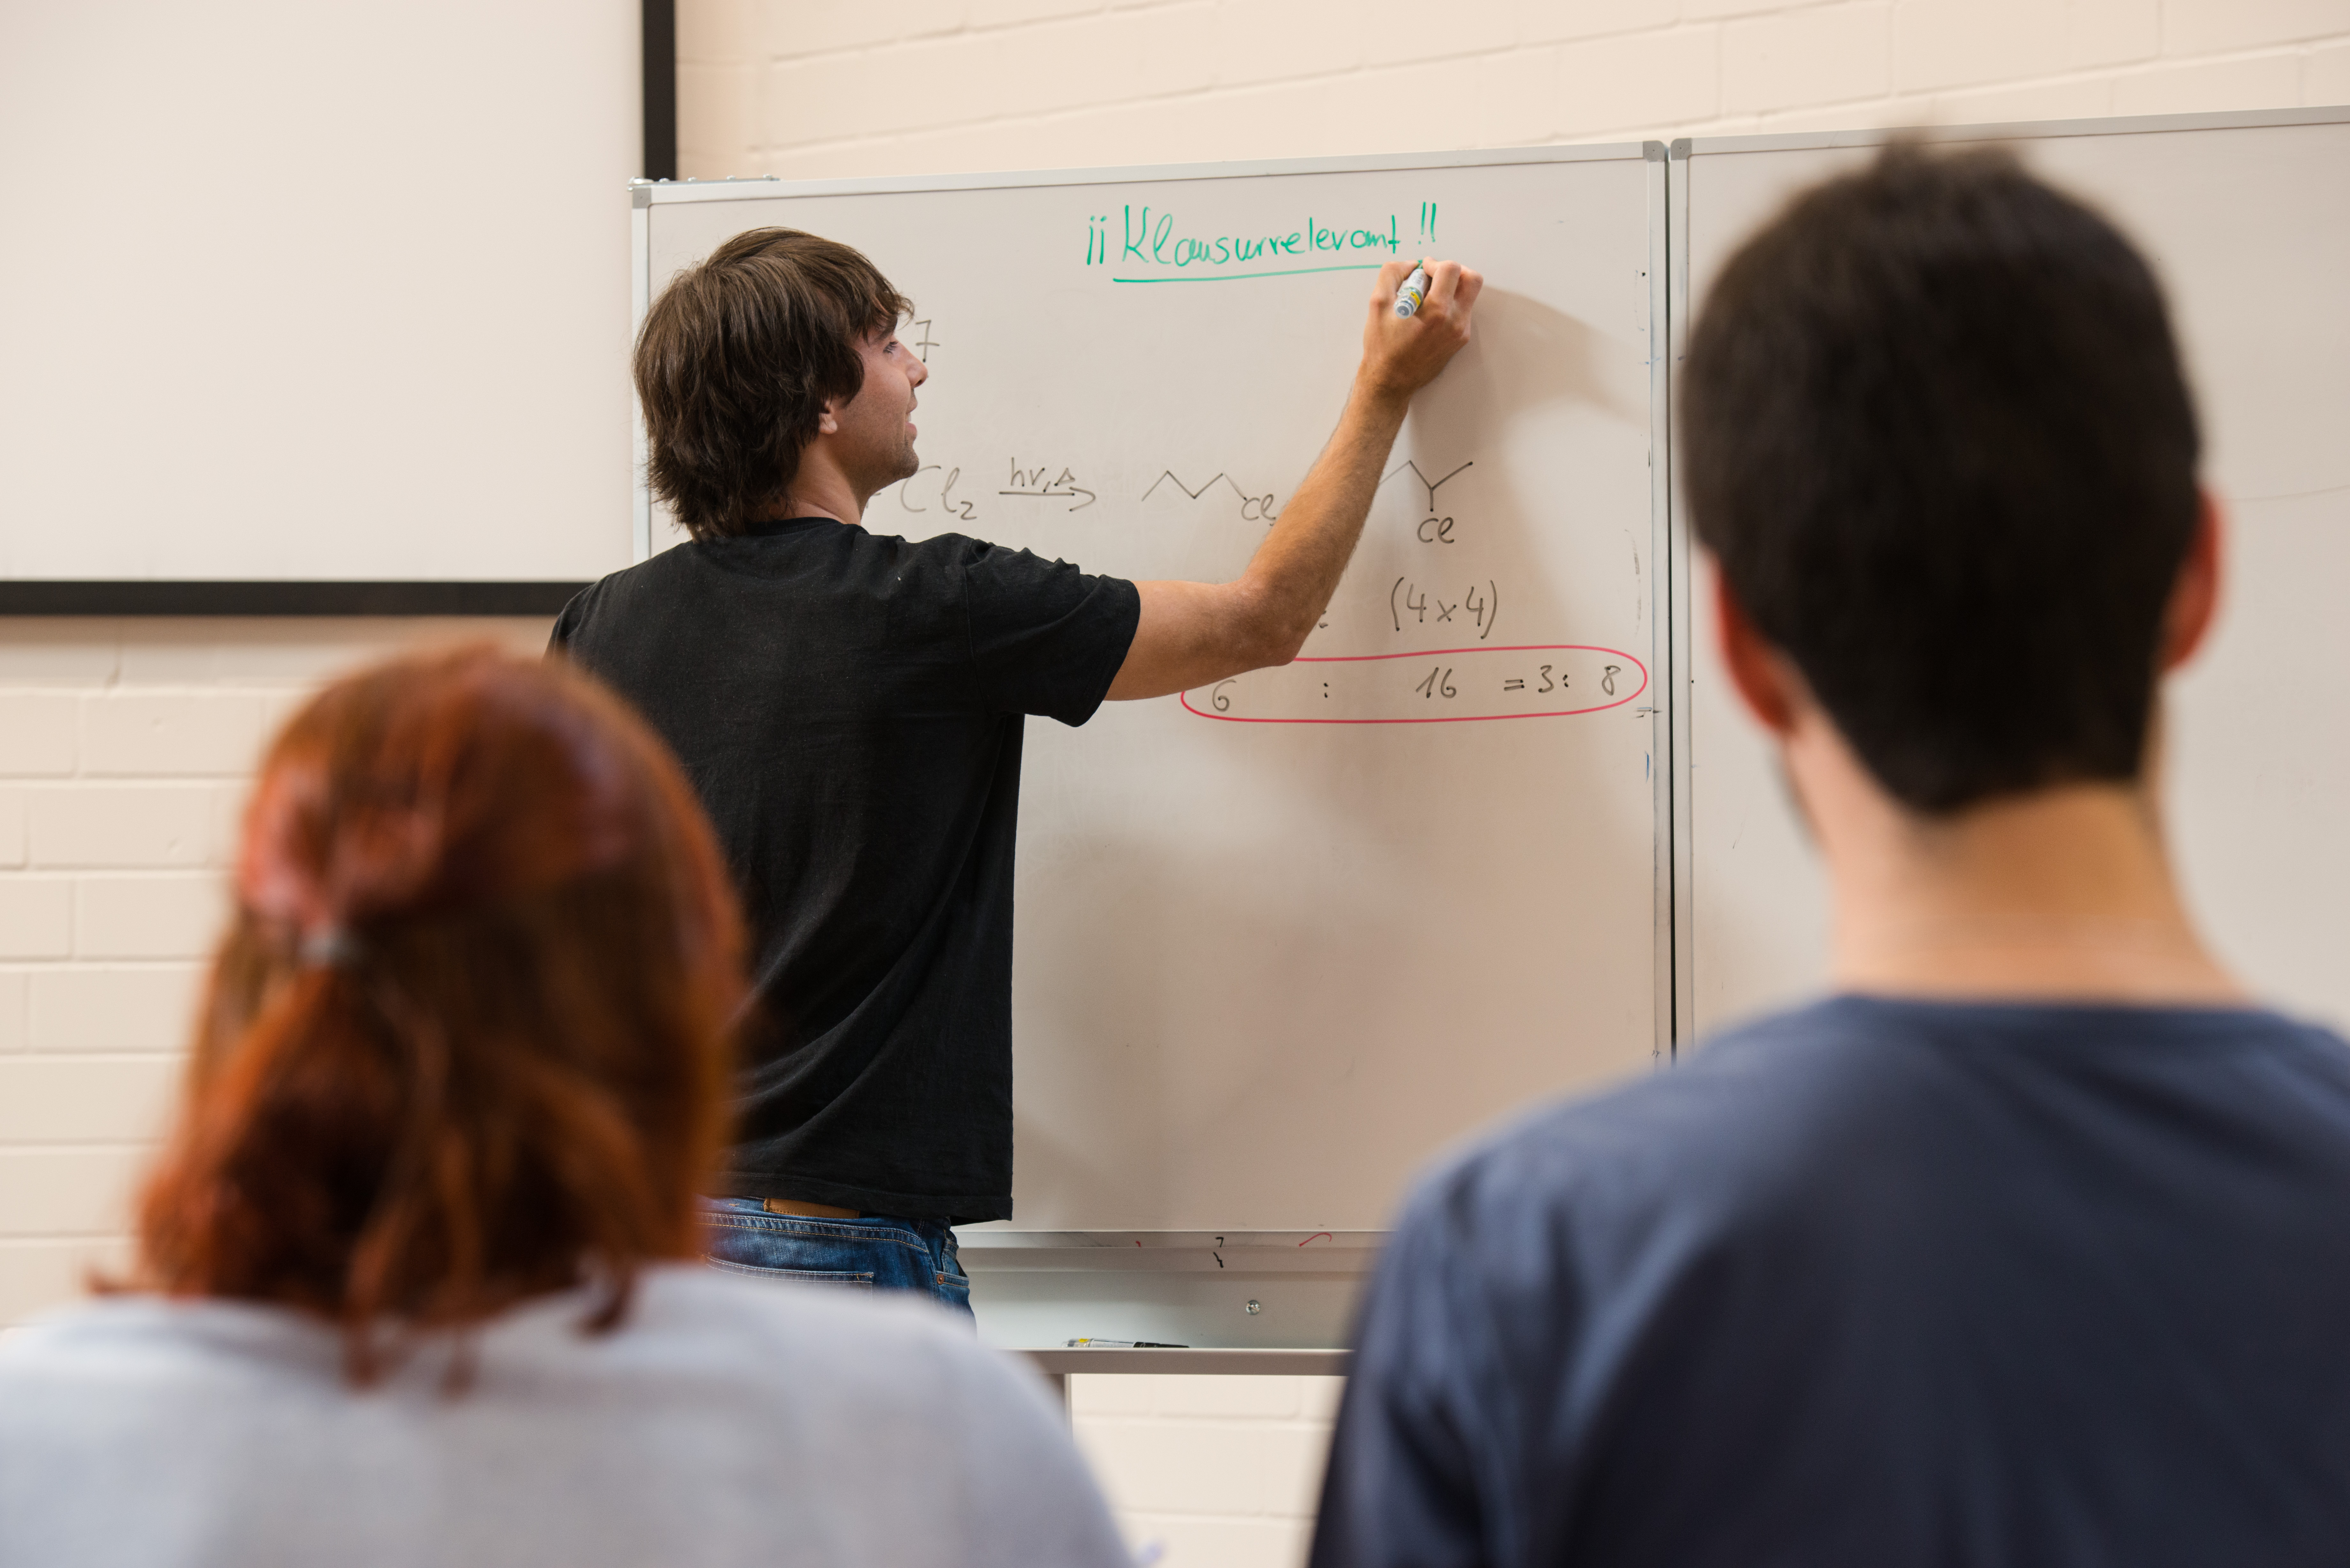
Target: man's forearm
[
  {"x": 1296, "y": 569},
  {"x": 1187, "y": 634}
]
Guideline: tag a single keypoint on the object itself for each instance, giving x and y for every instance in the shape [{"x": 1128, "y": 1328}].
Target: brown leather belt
[{"x": 809, "y": 1210}]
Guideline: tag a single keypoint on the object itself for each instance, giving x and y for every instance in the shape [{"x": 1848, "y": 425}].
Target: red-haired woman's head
[{"x": 466, "y": 1036}]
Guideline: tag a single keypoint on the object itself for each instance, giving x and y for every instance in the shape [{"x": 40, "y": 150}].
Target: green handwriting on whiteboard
[{"x": 1155, "y": 248}]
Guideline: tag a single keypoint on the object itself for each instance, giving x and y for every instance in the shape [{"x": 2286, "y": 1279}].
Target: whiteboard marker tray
[
  {"x": 1171, "y": 1251},
  {"x": 1223, "y": 1290}
]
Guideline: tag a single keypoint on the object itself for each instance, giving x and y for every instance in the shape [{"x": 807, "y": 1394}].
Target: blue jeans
[{"x": 740, "y": 1237}]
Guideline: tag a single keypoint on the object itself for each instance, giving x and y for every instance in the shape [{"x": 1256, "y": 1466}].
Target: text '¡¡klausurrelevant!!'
[{"x": 1143, "y": 245}]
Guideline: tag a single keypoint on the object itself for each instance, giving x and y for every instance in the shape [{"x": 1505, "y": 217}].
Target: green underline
[{"x": 1238, "y": 277}]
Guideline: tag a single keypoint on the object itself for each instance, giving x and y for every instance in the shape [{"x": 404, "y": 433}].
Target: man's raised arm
[{"x": 1194, "y": 634}]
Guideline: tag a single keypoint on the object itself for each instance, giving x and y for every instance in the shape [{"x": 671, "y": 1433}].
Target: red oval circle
[{"x": 1184, "y": 697}]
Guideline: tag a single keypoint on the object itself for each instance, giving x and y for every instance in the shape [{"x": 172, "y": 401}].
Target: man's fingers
[
  {"x": 1405, "y": 356},
  {"x": 1444, "y": 279}
]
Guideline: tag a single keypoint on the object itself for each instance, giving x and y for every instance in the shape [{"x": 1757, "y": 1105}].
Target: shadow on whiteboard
[{"x": 1550, "y": 356}]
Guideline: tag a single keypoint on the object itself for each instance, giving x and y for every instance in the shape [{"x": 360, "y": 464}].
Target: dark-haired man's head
[
  {"x": 1936, "y": 435},
  {"x": 777, "y": 342}
]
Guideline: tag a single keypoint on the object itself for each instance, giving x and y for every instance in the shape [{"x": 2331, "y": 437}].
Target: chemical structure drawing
[{"x": 1254, "y": 508}]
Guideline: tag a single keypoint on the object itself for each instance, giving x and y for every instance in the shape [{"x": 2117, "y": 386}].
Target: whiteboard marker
[
  {"x": 1091, "y": 1344},
  {"x": 1414, "y": 292}
]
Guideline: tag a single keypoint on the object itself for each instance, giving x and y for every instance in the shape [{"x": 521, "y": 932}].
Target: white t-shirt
[{"x": 728, "y": 1421}]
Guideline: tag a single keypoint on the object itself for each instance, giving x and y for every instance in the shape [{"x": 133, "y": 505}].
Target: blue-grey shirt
[
  {"x": 1879, "y": 1283},
  {"x": 726, "y": 1423}
]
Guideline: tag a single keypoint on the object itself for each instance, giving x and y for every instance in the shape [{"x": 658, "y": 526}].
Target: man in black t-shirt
[
  {"x": 849, "y": 707},
  {"x": 2033, "y": 1246}
]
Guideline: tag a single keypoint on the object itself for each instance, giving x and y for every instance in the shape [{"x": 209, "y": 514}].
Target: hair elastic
[{"x": 328, "y": 947}]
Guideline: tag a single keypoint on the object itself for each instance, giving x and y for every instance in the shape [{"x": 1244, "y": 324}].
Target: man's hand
[
  {"x": 1193, "y": 634},
  {"x": 1403, "y": 354}
]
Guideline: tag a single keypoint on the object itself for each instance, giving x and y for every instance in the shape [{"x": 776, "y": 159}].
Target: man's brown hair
[
  {"x": 735, "y": 361},
  {"x": 1936, "y": 430},
  {"x": 466, "y": 1039}
]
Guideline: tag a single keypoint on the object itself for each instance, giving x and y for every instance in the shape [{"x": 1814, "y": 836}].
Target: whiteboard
[
  {"x": 1281, "y": 940},
  {"x": 316, "y": 291},
  {"x": 2246, "y": 218}
]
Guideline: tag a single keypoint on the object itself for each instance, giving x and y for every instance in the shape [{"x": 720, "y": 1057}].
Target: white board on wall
[
  {"x": 2246, "y": 217},
  {"x": 1280, "y": 939},
  {"x": 316, "y": 291}
]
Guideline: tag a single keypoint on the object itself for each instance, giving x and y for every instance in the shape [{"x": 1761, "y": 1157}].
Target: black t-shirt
[
  {"x": 849, "y": 708},
  {"x": 1879, "y": 1283}
]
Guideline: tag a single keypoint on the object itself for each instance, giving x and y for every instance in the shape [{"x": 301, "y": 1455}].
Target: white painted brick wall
[
  {"x": 1209, "y": 1471},
  {"x": 1216, "y": 1472},
  {"x": 125, "y": 748},
  {"x": 775, "y": 86},
  {"x": 15, "y": 1015},
  {"x": 37, "y": 733}
]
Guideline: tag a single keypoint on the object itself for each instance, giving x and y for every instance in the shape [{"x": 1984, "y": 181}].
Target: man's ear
[
  {"x": 2195, "y": 595},
  {"x": 828, "y": 421},
  {"x": 1756, "y": 668}
]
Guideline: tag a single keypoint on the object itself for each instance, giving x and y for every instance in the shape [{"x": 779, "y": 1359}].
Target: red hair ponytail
[{"x": 465, "y": 1037}]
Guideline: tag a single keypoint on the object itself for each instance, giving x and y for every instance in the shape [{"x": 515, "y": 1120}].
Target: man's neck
[
  {"x": 819, "y": 489},
  {"x": 2063, "y": 894}
]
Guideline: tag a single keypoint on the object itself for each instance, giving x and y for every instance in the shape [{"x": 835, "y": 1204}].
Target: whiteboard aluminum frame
[
  {"x": 1683, "y": 667},
  {"x": 1665, "y": 598},
  {"x": 765, "y": 187},
  {"x": 1079, "y": 1256},
  {"x": 1680, "y": 311},
  {"x": 641, "y": 300},
  {"x": 2010, "y": 130}
]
